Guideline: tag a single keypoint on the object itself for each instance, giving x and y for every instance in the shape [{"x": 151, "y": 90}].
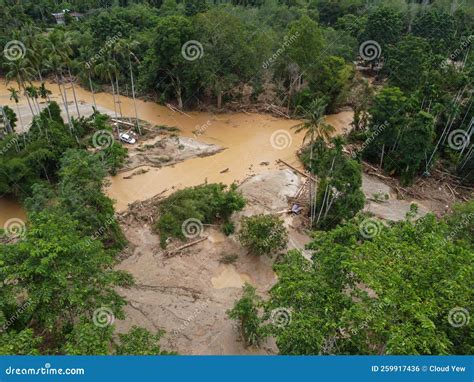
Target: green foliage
[
  {"x": 21, "y": 343},
  {"x": 88, "y": 339},
  {"x": 461, "y": 223},
  {"x": 228, "y": 228},
  {"x": 402, "y": 138},
  {"x": 207, "y": 203},
  {"x": 437, "y": 27},
  {"x": 384, "y": 25},
  {"x": 245, "y": 312},
  {"x": 417, "y": 52},
  {"x": 11, "y": 118},
  {"x": 263, "y": 234},
  {"x": 139, "y": 341},
  {"x": 339, "y": 195},
  {"x": 403, "y": 306},
  {"x": 229, "y": 259},
  {"x": 113, "y": 157},
  {"x": 81, "y": 181}
]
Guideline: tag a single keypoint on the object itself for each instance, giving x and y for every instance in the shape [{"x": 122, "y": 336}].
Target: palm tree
[
  {"x": 61, "y": 47},
  {"x": 15, "y": 96},
  {"x": 32, "y": 92},
  {"x": 55, "y": 64},
  {"x": 105, "y": 70},
  {"x": 316, "y": 128},
  {"x": 124, "y": 49},
  {"x": 89, "y": 72},
  {"x": 314, "y": 123},
  {"x": 20, "y": 70},
  {"x": 44, "y": 93}
]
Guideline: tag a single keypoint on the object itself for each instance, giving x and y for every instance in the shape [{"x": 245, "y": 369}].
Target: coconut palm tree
[
  {"x": 32, "y": 92},
  {"x": 105, "y": 70},
  {"x": 60, "y": 46},
  {"x": 55, "y": 64},
  {"x": 124, "y": 49},
  {"x": 44, "y": 93},
  {"x": 315, "y": 127},
  {"x": 88, "y": 68},
  {"x": 20, "y": 70},
  {"x": 314, "y": 123},
  {"x": 15, "y": 96}
]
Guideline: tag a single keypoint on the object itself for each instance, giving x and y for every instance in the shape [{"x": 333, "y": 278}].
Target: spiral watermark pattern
[
  {"x": 458, "y": 139},
  {"x": 103, "y": 317},
  {"x": 102, "y": 139},
  {"x": 280, "y": 317},
  {"x": 14, "y": 228},
  {"x": 192, "y": 50},
  {"x": 370, "y": 50},
  {"x": 458, "y": 317},
  {"x": 281, "y": 139},
  {"x": 192, "y": 228},
  {"x": 14, "y": 50},
  {"x": 370, "y": 228}
]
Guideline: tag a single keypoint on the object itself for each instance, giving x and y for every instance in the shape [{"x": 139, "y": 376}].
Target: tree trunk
[
  {"x": 92, "y": 91},
  {"x": 113, "y": 95},
  {"x": 64, "y": 97},
  {"x": 118, "y": 96},
  {"x": 381, "y": 158},
  {"x": 133, "y": 95},
  {"x": 219, "y": 99},
  {"x": 73, "y": 92}
]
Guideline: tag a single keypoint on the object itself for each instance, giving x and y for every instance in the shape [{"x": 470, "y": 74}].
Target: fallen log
[
  {"x": 175, "y": 109},
  {"x": 179, "y": 249},
  {"x": 298, "y": 171}
]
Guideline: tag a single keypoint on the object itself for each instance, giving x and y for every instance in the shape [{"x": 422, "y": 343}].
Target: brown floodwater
[
  {"x": 249, "y": 139},
  {"x": 9, "y": 209}
]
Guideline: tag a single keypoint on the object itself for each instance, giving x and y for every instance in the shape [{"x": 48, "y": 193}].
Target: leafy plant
[{"x": 263, "y": 234}]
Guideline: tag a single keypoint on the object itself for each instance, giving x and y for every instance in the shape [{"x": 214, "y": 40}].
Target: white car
[{"x": 127, "y": 138}]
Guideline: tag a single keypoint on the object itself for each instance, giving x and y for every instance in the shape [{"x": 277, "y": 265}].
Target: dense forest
[{"x": 404, "y": 67}]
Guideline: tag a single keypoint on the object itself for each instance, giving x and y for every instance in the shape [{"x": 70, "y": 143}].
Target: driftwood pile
[{"x": 440, "y": 185}]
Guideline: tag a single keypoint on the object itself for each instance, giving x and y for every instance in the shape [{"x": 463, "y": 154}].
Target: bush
[
  {"x": 228, "y": 228},
  {"x": 206, "y": 203},
  {"x": 263, "y": 234},
  {"x": 339, "y": 195},
  {"x": 245, "y": 312}
]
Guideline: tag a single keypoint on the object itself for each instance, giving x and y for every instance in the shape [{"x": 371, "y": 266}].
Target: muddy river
[{"x": 252, "y": 142}]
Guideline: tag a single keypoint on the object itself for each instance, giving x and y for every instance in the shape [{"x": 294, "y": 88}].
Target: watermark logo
[
  {"x": 288, "y": 40},
  {"x": 192, "y": 228},
  {"x": 14, "y": 228},
  {"x": 14, "y": 50},
  {"x": 109, "y": 42},
  {"x": 281, "y": 139},
  {"x": 458, "y": 317},
  {"x": 370, "y": 50},
  {"x": 375, "y": 132},
  {"x": 369, "y": 228},
  {"x": 103, "y": 317},
  {"x": 201, "y": 129},
  {"x": 280, "y": 317},
  {"x": 15, "y": 316},
  {"x": 192, "y": 50},
  {"x": 102, "y": 139},
  {"x": 458, "y": 139}
]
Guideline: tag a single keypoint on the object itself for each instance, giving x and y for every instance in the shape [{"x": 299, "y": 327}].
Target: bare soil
[
  {"x": 167, "y": 151},
  {"x": 187, "y": 294}
]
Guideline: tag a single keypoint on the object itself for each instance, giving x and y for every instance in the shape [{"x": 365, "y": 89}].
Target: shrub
[
  {"x": 263, "y": 234},
  {"x": 207, "y": 203},
  {"x": 228, "y": 228},
  {"x": 245, "y": 312}
]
